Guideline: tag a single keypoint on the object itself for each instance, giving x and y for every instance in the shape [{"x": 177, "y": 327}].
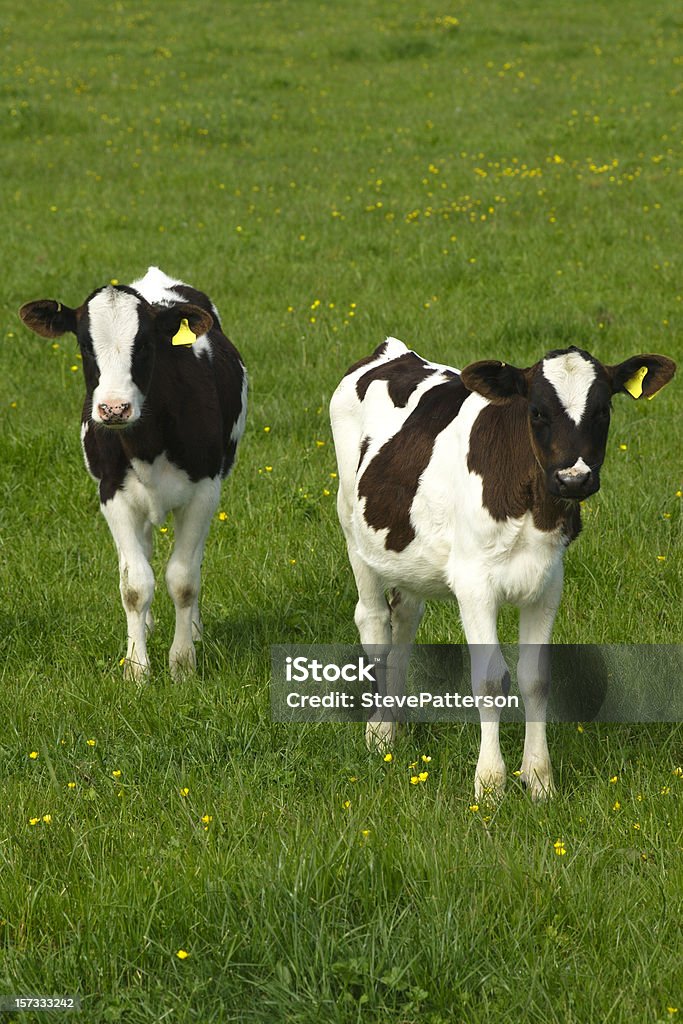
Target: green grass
[{"x": 331, "y": 174}]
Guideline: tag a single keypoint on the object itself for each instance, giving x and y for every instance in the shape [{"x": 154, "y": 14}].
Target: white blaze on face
[
  {"x": 113, "y": 319},
  {"x": 571, "y": 376}
]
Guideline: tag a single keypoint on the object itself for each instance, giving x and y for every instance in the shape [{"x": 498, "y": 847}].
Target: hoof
[
  {"x": 489, "y": 784},
  {"x": 135, "y": 671},
  {"x": 380, "y": 736},
  {"x": 182, "y": 663},
  {"x": 538, "y": 781}
]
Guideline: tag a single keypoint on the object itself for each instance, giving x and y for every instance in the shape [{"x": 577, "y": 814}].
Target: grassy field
[{"x": 480, "y": 180}]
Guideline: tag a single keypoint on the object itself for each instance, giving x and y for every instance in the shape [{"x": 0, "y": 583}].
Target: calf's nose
[
  {"x": 114, "y": 412},
  {"x": 574, "y": 480}
]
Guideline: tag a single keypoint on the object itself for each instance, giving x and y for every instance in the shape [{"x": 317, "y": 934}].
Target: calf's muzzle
[
  {"x": 575, "y": 482},
  {"x": 113, "y": 413}
]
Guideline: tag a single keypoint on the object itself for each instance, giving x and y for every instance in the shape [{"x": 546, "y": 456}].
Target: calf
[
  {"x": 467, "y": 485},
  {"x": 165, "y": 406}
]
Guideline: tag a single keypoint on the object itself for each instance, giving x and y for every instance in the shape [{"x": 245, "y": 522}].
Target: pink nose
[{"x": 117, "y": 412}]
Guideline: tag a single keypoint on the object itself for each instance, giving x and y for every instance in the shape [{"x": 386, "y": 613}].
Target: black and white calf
[
  {"x": 467, "y": 485},
  {"x": 165, "y": 406}
]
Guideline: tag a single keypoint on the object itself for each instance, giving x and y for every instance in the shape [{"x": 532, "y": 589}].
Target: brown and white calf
[
  {"x": 165, "y": 407},
  {"x": 467, "y": 485}
]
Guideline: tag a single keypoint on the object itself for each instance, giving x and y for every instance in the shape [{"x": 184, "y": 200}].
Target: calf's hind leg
[
  {"x": 373, "y": 621},
  {"x": 406, "y": 614}
]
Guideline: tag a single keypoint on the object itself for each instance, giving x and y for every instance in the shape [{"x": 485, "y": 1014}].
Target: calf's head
[
  {"x": 568, "y": 399},
  {"x": 118, "y": 332}
]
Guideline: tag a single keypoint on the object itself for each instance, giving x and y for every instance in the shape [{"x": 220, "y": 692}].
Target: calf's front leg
[
  {"x": 183, "y": 573},
  {"x": 533, "y": 676},
  {"x": 130, "y": 530},
  {"x": 490, "y": 678}
]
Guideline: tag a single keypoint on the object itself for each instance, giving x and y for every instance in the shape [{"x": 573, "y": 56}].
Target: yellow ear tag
[
  {"x": 634, "y": 385},
  {"x": 184, "y": 335}
]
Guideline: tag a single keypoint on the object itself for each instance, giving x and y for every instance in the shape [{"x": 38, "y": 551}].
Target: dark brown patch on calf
[
  {"x": 390, "y": 482},
  {"x": 500, "y": 453},
  {"x": 185, "y": 596},
  {"x": 379, "y": 351},
  {"x": 403, "y": 375}
]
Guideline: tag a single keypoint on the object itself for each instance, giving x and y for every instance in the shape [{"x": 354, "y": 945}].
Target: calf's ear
[
  {"x": 495, "y": 380},
  {"x": 48, "y": 318},
  {"x": 169, "y": 319},
  {"x": 642, "y": 375}
]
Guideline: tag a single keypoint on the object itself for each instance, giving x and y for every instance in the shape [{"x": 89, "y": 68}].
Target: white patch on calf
[
  {"x": 156, "y": 286},
  {"x": 114, "y": 322},
  {"x": 238, "y": 429},
  {"x": 154, "y": 488},
  {"x": 580, "y": 468},
  {"x": 85, "y": 427},
  {"x": 571, "y": 376}
]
